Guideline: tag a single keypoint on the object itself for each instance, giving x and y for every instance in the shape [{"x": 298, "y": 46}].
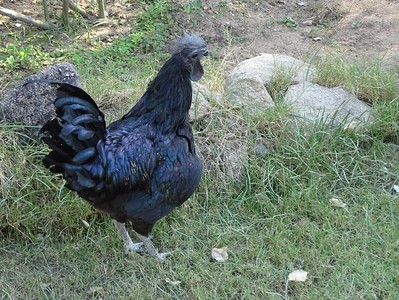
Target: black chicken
[{"x": 142, "y": 166}]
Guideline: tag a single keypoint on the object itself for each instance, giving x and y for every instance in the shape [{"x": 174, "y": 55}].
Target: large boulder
[
  {"x": 30, "y": 104},
  {"x": 264, "y": 66},
  {"x": 311, "y": 103},
  {"x": 202, "y": 100},
  {"x": 250, "y": 94},
  {"x": 246, "y": 86}
]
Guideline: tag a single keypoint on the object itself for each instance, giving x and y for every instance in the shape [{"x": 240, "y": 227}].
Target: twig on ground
[{"x": 24, "y": 18}]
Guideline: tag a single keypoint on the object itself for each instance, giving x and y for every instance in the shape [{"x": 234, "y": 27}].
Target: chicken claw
[
  {"x": 151, "y": 248},
  {"x": 129, "y": 245}
]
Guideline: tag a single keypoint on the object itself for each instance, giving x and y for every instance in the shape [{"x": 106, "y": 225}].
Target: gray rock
[
  {"x": 260, "y": 150},
  {"x": 263, "y": 149},
  {"x": 394, "y": 147},
  {"x": 250, "y": 94},
  {"x": 202, "y": 99},
  {"x": 264, "y": 66},
  {"x": 246, "y": 85},
  {"x": 31, "y": 104},
  {"x": 312, "y": 102}
]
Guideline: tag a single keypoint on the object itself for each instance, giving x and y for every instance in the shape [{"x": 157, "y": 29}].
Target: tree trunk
[
  {"x": 65, "y": 10},
  {"x": 45, "y": 11},
  {"x": 101, "y": 9}
]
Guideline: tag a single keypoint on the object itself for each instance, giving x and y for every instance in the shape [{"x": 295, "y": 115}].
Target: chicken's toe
[
  {"x": 135, "y": 247},
  {"x": 162, "y": 256}
]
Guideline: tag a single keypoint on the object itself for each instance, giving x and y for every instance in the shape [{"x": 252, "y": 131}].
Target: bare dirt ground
[
  {"x": 243, "y": 29},
  {"x": 303, "y": 29}
]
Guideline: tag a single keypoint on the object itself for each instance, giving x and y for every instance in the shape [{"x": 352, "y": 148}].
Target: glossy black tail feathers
[
  {"x": 66, "y": 90},
  {"x": 74, "y": 136}
]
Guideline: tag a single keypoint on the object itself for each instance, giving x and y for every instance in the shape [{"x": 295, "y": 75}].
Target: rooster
[{"x": 141, "y": 167}]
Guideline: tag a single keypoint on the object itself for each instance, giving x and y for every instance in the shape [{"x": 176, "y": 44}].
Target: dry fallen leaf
[
  {"x": 220, "y": 254},
  {"x": 96, "y": 290},
  {"x": 351, "y": 126},
  {"x": 87, "y": 225},
  {"x": 298, "y": 275},
  {"x": 44, "y": 286},
  {"x": 172, "y": 282},
  {"x": 337, "y": 203}
]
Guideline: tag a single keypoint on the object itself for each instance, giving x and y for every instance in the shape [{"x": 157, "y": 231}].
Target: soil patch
[{"x": 243, "y": 29}]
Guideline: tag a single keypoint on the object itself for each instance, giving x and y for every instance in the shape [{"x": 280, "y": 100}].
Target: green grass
[
  {"x": 371, "y": 81},
  {"x": 280, "y": 83},
  {"x": 275, "y": 218}
]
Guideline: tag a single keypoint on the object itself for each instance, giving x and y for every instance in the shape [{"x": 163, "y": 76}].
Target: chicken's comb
[{"x": 187, "y": 40}]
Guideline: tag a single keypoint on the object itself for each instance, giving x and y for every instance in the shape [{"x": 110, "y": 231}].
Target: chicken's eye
[{"x": 194, "y": 55}]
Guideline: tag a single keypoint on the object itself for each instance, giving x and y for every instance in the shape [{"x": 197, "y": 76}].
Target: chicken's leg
[
  {"x": 129, "y": 245},
  {"x": 150, "y": 247}
]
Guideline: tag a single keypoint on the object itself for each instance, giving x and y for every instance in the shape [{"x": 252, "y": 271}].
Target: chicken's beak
[{"x": 204, "y": 52}]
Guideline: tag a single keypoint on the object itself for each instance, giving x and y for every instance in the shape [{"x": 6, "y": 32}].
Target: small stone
[
  {"x": 202, "y": 97},
  {"x": 261, "y": 150},
  {"x": 307, "y": 23},
  {"x": 394, "y": 147}
]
